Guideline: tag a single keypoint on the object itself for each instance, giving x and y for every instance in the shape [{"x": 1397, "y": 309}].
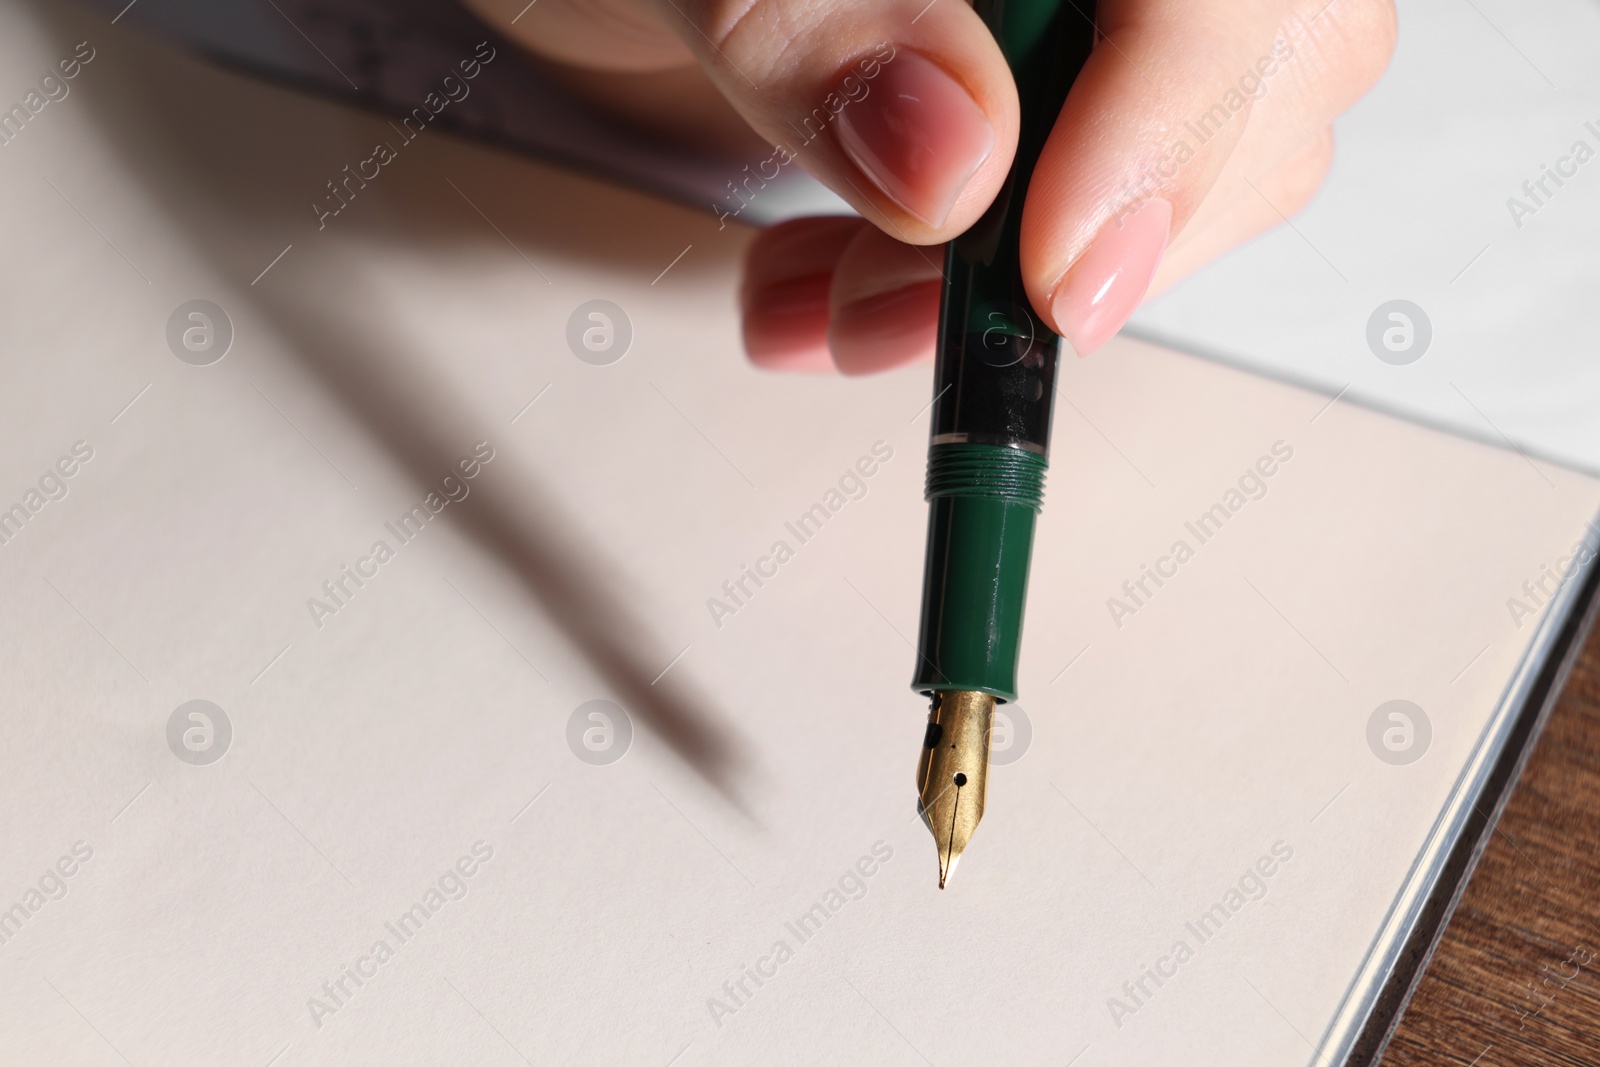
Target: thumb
[
  {"x": 905, "y": 108},
  {"x": 1147, "y": 128}
]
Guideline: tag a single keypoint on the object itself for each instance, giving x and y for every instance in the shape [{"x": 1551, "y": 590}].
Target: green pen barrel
[{"x": 982, "y": 504}]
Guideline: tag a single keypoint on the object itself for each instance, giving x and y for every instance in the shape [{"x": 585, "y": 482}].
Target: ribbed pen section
[
  {"x": 982, "y": 503},
  {"x": 1013, "y": 475}
]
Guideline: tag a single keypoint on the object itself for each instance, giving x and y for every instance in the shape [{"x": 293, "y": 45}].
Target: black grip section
[{"x": 994, "y": 380}]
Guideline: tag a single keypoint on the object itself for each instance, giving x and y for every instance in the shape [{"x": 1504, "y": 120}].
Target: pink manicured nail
[
  {"x": 786, "y": 324},
  {"x": 886, "y": 329},
  {"x": 917, "y": 134},
  {"x": 1101, "y": 290}
]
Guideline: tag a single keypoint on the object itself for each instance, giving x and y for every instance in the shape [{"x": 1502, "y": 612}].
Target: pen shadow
[{"x": 214, "y": 149}]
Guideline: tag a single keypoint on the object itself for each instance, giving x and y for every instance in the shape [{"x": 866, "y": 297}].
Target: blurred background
[{"x": 1481, "y": 97}]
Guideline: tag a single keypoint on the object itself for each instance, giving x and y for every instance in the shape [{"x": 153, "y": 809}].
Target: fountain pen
[{"x": 994, "y": 380}]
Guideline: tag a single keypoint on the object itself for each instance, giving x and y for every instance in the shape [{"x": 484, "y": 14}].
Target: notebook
[{"x": 389, "y": 683}]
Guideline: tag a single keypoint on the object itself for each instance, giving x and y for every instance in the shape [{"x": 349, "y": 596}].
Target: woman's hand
[{"x": 1195, "y": 125}]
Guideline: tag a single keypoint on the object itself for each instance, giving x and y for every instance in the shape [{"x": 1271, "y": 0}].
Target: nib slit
[{"x": 949, "y": 858}]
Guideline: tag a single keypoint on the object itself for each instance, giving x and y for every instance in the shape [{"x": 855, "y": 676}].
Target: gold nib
[{"x": 954, "y": 771}]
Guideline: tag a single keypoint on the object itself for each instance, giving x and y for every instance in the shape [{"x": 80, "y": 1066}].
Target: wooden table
[{"x": 1516, "y": 979}]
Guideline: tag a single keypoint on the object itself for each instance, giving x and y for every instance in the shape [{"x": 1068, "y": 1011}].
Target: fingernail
[
  {"x": 885, "y": 330},
  {"x": 786, "y": 324},
  {"x": 1101, "y": 290},
  {"x": 805, "y": 296},
  {"x": 917, "y": 134}
]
